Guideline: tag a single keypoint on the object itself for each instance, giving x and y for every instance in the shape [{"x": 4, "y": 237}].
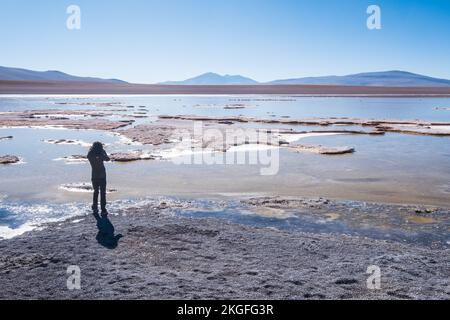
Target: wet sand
[{"x": 160, "y": 255}]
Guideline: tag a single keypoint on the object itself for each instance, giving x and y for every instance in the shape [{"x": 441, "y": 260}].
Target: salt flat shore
[
  {"x": 168, "y": 129},
  {"x": 79, "y": 87},
  {"x": 151, "y": 253}
]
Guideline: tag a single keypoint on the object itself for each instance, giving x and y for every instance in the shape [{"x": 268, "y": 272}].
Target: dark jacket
[{"x": 98, "y": 168}]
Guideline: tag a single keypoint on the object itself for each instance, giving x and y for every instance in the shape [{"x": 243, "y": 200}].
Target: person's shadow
[{"x": 105, "y": 235}]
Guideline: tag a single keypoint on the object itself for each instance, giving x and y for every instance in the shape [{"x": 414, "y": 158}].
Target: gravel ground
[{"x": 150, "y": 253}]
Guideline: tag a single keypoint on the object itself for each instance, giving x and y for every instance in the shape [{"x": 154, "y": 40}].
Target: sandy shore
[{"x": 160, "y": 255}]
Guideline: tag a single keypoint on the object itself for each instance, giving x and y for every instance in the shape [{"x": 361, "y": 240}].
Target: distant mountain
[
  {"x": 16, "y": 74},
  {"x": 214, "y": 79},
  {"x": 382, "y": 79}
]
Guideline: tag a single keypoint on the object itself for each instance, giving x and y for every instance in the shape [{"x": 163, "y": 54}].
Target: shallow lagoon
[
  {"x": 394, "y": 168},
  {"x": 262, "y": 106}
]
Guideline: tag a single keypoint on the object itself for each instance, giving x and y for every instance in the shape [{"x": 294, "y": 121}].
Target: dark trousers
[{"x": 99, "y": 185}]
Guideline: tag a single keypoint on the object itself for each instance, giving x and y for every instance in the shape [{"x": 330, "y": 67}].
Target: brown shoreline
[{"x": 75, "y": 87}]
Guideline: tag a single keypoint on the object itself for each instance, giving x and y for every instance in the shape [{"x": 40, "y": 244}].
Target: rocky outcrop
[
  {"x": 236, "y": 106},
  {"x": 339, "y": 131},
  {"x": 49, "y": 113},
  {"x": 74, "y": 159},
  {"x": 164, "y": 134},
  {"x": 70, "y": 119},
  {"x": 379, "y": 125},
  {"x": 322, "y": 149},
  {"x": 204, "y": 118},
  {"x": 150, "y": 134},
  {"x": 60, "y": 141},
  {"x": 67, "y": 142},
  {"x": 424, "y": 130},
  {"x": 94, "y": 104},
  {"x": 116, "y": 157},
  {"x": 130, "y": 157},
  {"x": 137, "y": 116},
  {"x": 8, "y": 159}
]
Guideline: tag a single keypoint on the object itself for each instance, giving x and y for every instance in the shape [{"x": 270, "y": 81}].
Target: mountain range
[
  {"x": 382, "y": 79},
  {"x": 17, "y": 74},
  {"x": 211, "y": 78}
]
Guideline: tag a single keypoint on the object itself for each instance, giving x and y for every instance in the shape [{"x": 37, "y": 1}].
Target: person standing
[{"x": 97, "y": 156}]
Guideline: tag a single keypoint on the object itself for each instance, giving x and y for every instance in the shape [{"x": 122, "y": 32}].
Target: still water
[{"x": 394, "y": 168}]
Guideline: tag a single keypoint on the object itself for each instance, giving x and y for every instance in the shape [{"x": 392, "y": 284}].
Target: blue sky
[{"x": 148, "y": 41}]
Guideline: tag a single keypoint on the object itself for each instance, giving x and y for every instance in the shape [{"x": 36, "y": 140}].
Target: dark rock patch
[{"x": 8, "y": 159}]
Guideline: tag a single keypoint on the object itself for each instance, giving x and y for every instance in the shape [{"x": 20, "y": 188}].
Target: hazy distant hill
[
  {"x": 214, "y": 79},
  {"x": 16, "y": 74},
  {"x": 382, "y": 79}
]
